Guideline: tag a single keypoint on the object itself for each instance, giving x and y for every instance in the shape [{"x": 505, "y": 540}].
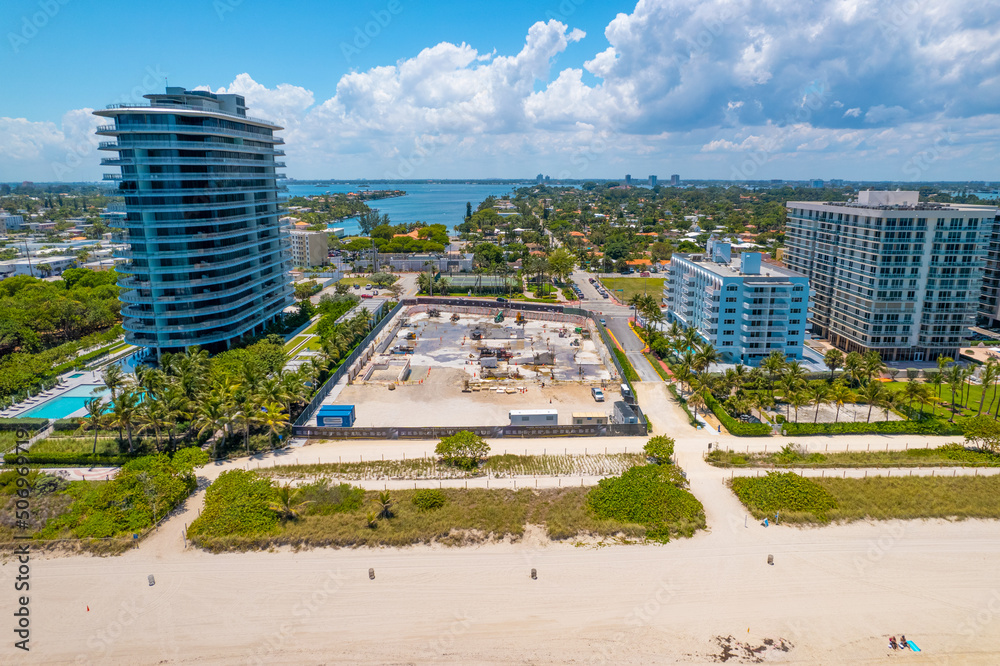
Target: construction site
[{"x": 473, "y": 366}]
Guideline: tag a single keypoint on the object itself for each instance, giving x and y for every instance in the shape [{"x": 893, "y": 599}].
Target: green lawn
[
  {"x": 634, "y": 285},
  {"x": 294, "y": 342},
  {"x": 972, "y": 392}
]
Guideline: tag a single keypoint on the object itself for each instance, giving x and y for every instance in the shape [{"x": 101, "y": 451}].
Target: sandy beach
[{"x": 833, "y": 595}]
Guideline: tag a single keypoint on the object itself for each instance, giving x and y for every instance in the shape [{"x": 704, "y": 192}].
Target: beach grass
[
  {"x": 878, "y": 498},
  {"x": 505, "y": 465},
  {"x": 792, "y": 457}
]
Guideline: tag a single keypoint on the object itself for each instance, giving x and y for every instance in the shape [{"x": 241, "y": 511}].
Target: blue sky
[{"x": 874, "y": 89}]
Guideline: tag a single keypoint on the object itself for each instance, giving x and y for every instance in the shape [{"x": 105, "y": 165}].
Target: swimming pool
[
  {"x": 69, "y": 402},
  {"x": 79, "y": 374}
]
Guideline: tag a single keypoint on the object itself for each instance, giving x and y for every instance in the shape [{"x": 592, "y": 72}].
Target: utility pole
[{"x": 27, "y": 253}]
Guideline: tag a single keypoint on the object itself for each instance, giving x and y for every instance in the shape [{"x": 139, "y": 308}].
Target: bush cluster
[
  {"x": 766, "y": 495},
  {"x": 651, "y": 495},
  {"x": 732, "y": 425},
  {"x": 238, "y": 503},
  {"x": 930, "y": 427},
  {"x": 428, "y": 500}
]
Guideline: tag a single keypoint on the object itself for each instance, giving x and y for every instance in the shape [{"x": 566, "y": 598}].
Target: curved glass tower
[{"x": 208, "y": 259}]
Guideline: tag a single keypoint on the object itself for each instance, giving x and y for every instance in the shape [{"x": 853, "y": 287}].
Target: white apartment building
[
  {"x": 891, "y": 273},
  {"x": 745, "y": 308},
  {"x": 309, "y": 248}
]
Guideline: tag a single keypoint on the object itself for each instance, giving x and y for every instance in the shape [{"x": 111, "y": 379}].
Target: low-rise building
[
  {"x": 745, "y": 308},
  {"x": 309, "y": 248}
]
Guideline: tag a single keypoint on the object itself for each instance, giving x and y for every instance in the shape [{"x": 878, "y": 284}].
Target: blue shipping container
[{"x": 341, "y": 416}]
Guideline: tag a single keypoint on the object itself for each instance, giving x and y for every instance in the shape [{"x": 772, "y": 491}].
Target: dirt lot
[
  {"x": 439, "y": 401},
  {"x": 445, "y": 359}
]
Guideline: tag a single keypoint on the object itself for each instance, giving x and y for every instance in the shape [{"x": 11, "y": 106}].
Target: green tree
[
  {"x": 660, "y": 449},
  {"x": 983, "y": 433},
  {"x": 288, "y": 502},
  {"x": 464, "y": 450},
  {"x": 833, "y": 359},
  {"x": 562, "y": 263}
]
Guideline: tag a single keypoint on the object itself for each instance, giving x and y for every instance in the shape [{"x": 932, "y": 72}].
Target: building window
[
  {"x": 729, "y": 321},
  {"x": 730, "y": 310},
  {"x": 728, "y": 332},
  {"x": 727, "y": 343},
  {"x": 730, "y": 299}
]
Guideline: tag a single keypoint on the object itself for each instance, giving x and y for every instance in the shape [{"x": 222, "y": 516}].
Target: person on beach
[
  {"x": 902, "y": 642},
  {"x": 892, "y": 643}
]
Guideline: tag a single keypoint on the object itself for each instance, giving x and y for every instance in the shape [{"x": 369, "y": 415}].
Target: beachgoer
[
  {"x": 902, "y": 642},
  {"x": 893, "y": 644}
]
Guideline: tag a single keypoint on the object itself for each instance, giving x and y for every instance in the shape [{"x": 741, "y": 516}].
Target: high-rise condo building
[
  {"x": 675, "y": 180},
  {"x": 989, "y": 297},
  {"x": 891, "y": 273},
  {"x": 746, "y": 308},
  {"x": 628, "y": 179},
  {"x": 652, "y": 181},
  {"x": 208, "y": 259}
]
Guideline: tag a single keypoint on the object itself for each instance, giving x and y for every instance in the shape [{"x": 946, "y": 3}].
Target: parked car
[
  {"x": 368, "y": 287},
  {"x": 501, "y": 299},
  {"x": 598, "y": 394},
  {"x": 603, "y": 323},
  {"x": 604, "y": 294},
  {"x": 644, "y": 274},
  {"x": 367, "y": 296},
  {"x": 592, "y": 280}
]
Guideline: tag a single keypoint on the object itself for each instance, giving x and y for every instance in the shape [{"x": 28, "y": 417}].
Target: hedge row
[
  {"x": 630, "y": 374},
  {"x": 26, "y": 423},
  {"x": 81, "y": 361},
  {"x": 72, "y": 459},
  {"x": 732, "y": 425},
  {"x": 879, "y": 427}
]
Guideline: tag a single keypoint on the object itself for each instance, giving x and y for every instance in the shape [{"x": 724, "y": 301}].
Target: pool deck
[{"x": 67, "y": 384}]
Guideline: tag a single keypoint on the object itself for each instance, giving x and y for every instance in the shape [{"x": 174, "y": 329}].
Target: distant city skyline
[{"x": 379, "y": 90}]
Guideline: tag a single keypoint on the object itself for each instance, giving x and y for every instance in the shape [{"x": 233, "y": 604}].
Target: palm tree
[
  {"x": 955, "y": 379},
  {"x": 176, "y": 407},
  {"x": 152, "y": 416},
  {"x": 697, "y": 401},
  {"x": 840, "y": 394},
  {"x": 288, "y": 504},
  {"x": 773, "y": 365},
  {"x": 910, "y": 393},
  {"x": 872, "y": 365},
  {"x": 889, "y": 403},
  {"x": 115, "y": 380},
  {"x": 692, "y": 341},
  {"x": 274, "y": 418},
  {"x": 819, "y": 392},
  {"x": 211, "y": 416},
  {"x": 789, "y": 385},
  {"x": 871, "y": 393},
  {"x": 762, "y": 401},
  {"x": 705, "y": 357},
  {"x": 124, "y": 411},
  {"x": 854, "y": 367},
  {"x": 942, "y": 361},
  {"x": 247, "y": 414},
  {"x": 96, "y": 418},
  {"x": 834, "y": 359},
  {"x": 799, "y": 398},
  {"x": 384, "y": 503}
]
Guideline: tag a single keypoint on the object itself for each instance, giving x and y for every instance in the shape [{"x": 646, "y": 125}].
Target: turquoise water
[
  {"x": 424, "y": 202},
  {"x": 79, "y": 374},
  {"x": 71, "y": 401}
]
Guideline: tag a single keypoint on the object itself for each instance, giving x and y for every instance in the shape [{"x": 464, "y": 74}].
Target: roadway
[{"x": 617, "y": 318}]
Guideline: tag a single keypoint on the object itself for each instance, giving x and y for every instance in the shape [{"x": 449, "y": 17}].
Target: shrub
[
  {"x": 145, "y": 490},
  {"x": 929, "y": 427},
  {"x": 237, "y": 504},
  {"x": 630, "y": 374},
  {"x": 651, "y": 496},
  {"x": 660, "y": 449},
  {"x": 732, "y": 425},
  {"x": 766, "y": 495},
  {"x": 73, "y": 459},
  {"x": 25, "y": 423},
  {"x": 428, "y": 500},
  {"x": 325, "y": 499},
  {"x": 465, "y": 450}
]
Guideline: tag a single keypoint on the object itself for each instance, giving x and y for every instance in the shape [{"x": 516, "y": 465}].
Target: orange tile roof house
[
  {"x": 639, "y": 262},
  {"x": 413, "y": 234}
]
